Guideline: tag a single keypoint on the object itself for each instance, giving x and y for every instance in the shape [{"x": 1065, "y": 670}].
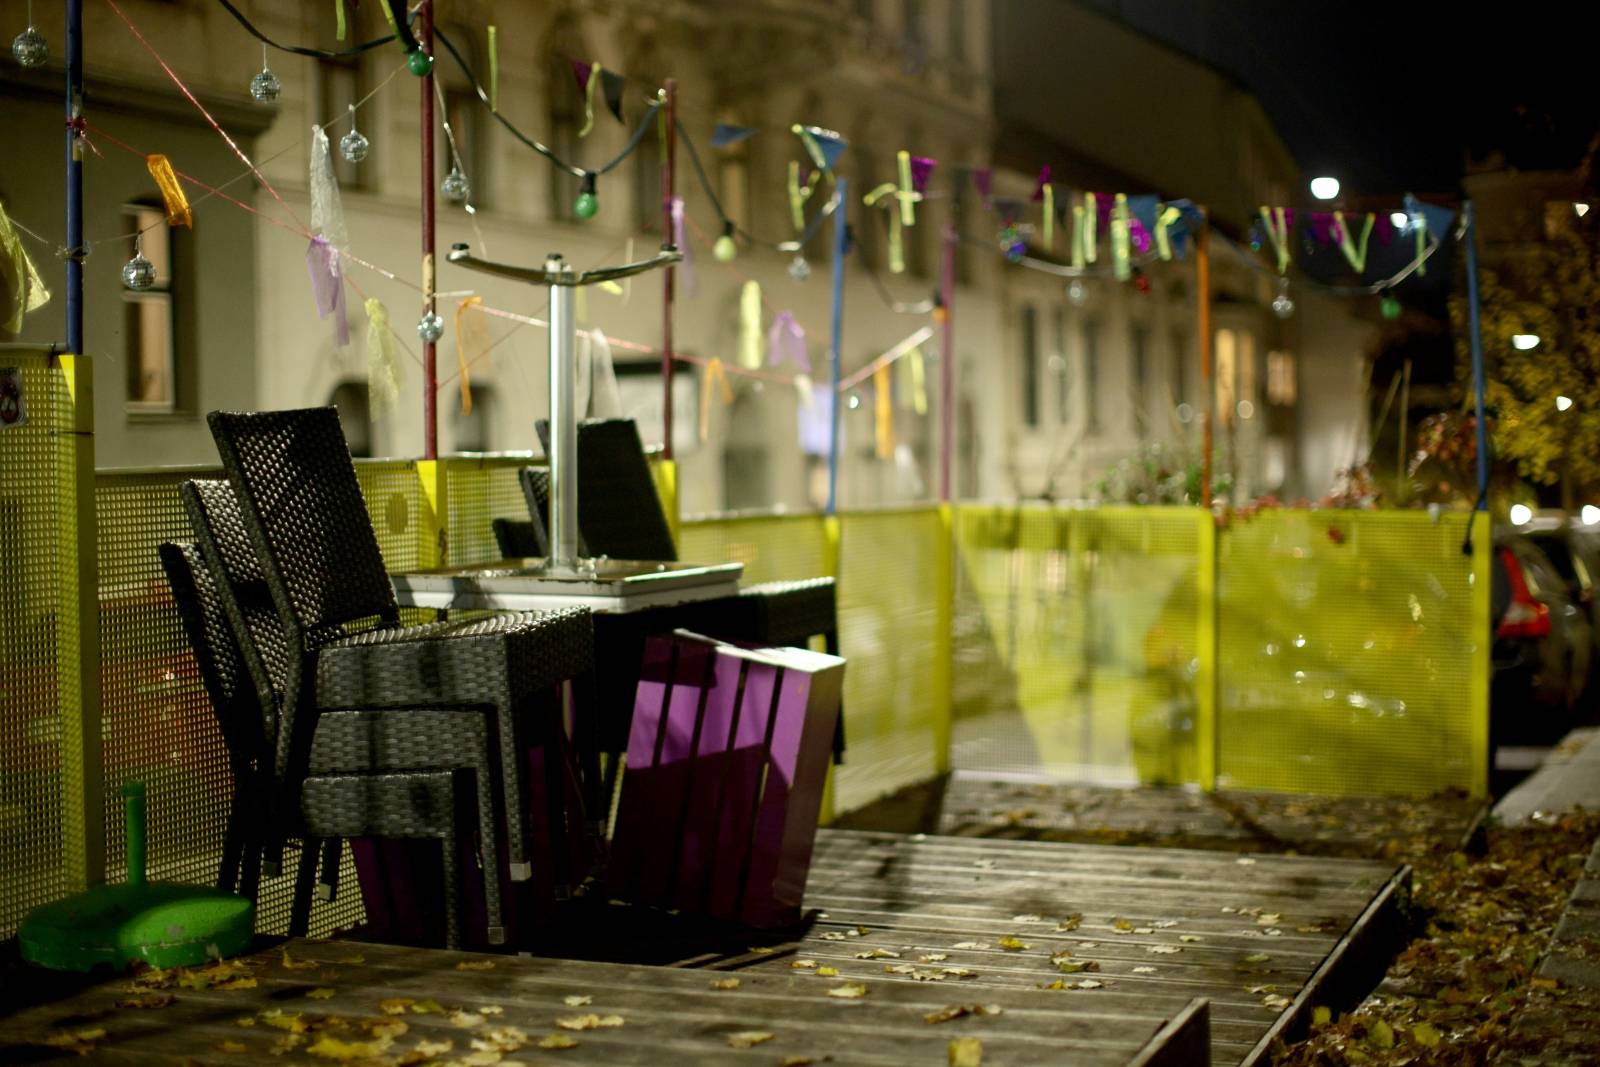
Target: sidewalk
[{"x": 1569, "y": 779}]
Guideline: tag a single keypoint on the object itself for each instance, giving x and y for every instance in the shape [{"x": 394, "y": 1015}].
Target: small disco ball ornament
[
  {"x": 354, "y": 146},
  {"x": 1390, "y": 308},
  {"x": 799, "y": 269},
  {"x": 265, "y": 86},
  {"x": 30, "y": 48},
  {"x": 1283, "y": 303},
  {"x": 138, "y": 274},
  {"x": 455, "y": 187},
  {"x": 723, "y": 249},
  {"x": 430, "y": 327},
  {"x": 419, "y": 63},
  {"x": 1077, "y": 293}
]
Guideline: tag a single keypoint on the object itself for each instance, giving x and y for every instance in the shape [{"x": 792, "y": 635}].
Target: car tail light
[{"x": 1525, "y": 617}]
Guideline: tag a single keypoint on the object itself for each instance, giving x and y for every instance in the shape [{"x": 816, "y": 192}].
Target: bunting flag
[
  {"x": 327, "y": 287},
  {"x": 897, "y": 256},
  {"x": 1427, "y": 219},
  {"x": 685, "y": 266},
  {"x": 1142, "y": 220},
  {"x": 21, "y": 288},
  {"x": 1355, "y": 251},
  {"x": 883, "y": 411},
  {"x": 178, "y": 213},
  {"x": 472, "y": 344},
  {"x": 1121, "y": 266},
  {"x": 611, "y": 86},
  {"x": 1091, "y": 220},
  {"x": 1079, "y": 221},
  {"x": 806, "y": 391},
  {"x": 587, "y": 75},
  {"x": 383, "y": 370},
  {"x": 799, "y": 194},
  {"x": 1277, "y": 222},
  {"x": 823, "y": 146},
  {"x": 327, "y": 209},
  {"x": 1041, "y": 183},
  {"x": 714, "y": 376},
  {"x": 786, "y": 340},
  {"x": 908, "y": 195},
  {"x": 1047, "y": 232},
  {"x": 338, "y": 20},
  {"x": 921, "y": 171},
  {"x": 750, "y": 325},
  {"x": 727, "y": 134}
]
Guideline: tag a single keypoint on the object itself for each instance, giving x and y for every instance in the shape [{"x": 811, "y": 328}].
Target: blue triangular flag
[
  {"x": 1143, "y": 208},
  {"x": 1437, "y": 218},
  {"x": 831, "y": 145},
  {"x": 726, "y": 134}
]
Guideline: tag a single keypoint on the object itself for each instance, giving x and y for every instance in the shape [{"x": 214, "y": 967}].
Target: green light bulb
[
  {"x": 1390, "y": 307},
  {"x": 585, "y": 206},
  {"x": 724, "y": 249},
  {"x": 419, "y": 63}
]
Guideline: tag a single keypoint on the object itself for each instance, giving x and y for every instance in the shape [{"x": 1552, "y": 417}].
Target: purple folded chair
[{"x": 727, "y": 759}]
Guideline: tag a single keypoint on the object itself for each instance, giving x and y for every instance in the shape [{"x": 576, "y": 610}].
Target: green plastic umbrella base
[
  {"x": 161, "y": 924},
  {"x": 158, "y": 923}
]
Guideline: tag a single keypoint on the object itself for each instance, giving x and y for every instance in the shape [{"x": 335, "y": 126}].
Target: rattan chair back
[{"x": 619, "y": 510}]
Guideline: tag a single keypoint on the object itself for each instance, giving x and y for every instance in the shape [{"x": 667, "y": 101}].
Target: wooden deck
[{"x": 1096, "y": 955}]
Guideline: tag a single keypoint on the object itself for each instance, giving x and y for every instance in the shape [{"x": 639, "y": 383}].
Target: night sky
[{"x": 1398, "y": 96}]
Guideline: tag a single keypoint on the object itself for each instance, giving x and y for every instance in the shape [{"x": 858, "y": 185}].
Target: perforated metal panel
[
  {"x": 771, "y": 547},
  {"x": 35, "y": 485},
  {"x": 1349, "y": 649},
  {"x": 397, "y": 509},
  {"x": 480, "y": 490},
  {"x": 889, "y": 616},
  {"x": 1076, "y": 642},
  {"x": 158, "y": 724}
]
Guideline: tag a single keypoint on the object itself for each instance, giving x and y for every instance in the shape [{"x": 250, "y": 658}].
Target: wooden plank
[
  {"x": 1186, "y": 1034},
  {"x": 669, "y": 1015}
]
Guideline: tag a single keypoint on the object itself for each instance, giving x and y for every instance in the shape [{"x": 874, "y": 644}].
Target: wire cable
[{"x": 298, "y": 50}]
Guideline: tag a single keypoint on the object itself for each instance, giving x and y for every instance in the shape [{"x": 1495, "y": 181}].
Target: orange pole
[{"x": 1202, "y": 264}]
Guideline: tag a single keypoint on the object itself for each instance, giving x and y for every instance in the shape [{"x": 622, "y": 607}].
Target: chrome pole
[{"x": 563, "y": 418}]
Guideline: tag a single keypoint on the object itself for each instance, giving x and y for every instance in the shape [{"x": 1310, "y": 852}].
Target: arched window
[{"x": 469, "y": 125}]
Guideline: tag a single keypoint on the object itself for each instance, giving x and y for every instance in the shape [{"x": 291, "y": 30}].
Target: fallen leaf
[
  {"x": 360, "y": 959},
  {"x": 465, "y": 1019},
  {"x": 956, "y": 1011},
  {"x": 1143, "y": 930},
  {"x": 725, "y": 983},
  {"x": 395, "y": 1005},
  {"x": 1057, "y": 984},
  {"x": 966, "y": 1052},
  {"x": 803, "y": 965},
  {"x": 434, "y": 1048},
  {"x": 1122, "y": 926},
  {"x": 971, "y": 945},
  {"x": 577, "y": 1000},
  {"x": 290, "y": 964},
  {"x": 959, "y": 972},
  {"x": 1277, "y": 1002},
  {"x": 762, "y": 950},
  {"x": 557, "y": 1041},
  {"x": 1012, "y": 944},
  {"x": 748, "y": 1038},
  {"x": 1423, "y": 1034},
  {"x": 332, "y": 1048},
  {"x": 848, "y": 991},
  {"x": 1380, "y": 1034},
  {"x": 1322, "y": 1016},
  {"x": 827, "y": 972},
  {"x": 1087, "y": 983},
  {"x": 475, "y": 965},
  {"x": 278, "y": 1019},
  {"x": 1144, "y": 970},
  {"x": 1268, "y": 920},
  {"x": 877, "y": 954},
  {"x": 484, "y": 1057},
  {"x": 1165, "y": 950},
  {"x": 491, "y": 1009},
  {"x": 1165, "y": 924},
  {"x": 1257, "y": 957},
  {"x": 321, "y": 993},
  {"x": 231, "y": 1046},
  {"x": 934, "y": 957},
  {"x": 795, "y": 1061},
  {"x": 1076, "y": 966},
  {"x": 1190, "y": 937},
  {"x": 1026, "y": 918},
  {"x": 229, "y": 984},
  {"x": 833, "y": 935},
  {"x": 1071, "y": 922},
  {"x": 501, "y": 1039},
  {"x": 426, "y": 1007},
  {"x": 591, "y": 1021},
  {"x": 1245, "y": 861},
  {"x": 149, "y": 1000}
]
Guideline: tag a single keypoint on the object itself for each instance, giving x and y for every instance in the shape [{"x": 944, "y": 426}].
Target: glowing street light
[
  {"x": 1590, "y": 514},
  {"x": 1324, "y": 188},
  {"x": 1563, "y": 403},
  {"x": 1399, "y": 220},
  {"x": 1523, "y": 342},
  {"x": 1521, "y": 514},
  {"x": 1581, "y": 208}
]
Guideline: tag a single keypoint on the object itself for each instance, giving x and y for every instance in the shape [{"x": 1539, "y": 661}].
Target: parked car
[
  {"x": 1543, "y": 645},
  {"x": 1574, "y": 551}
]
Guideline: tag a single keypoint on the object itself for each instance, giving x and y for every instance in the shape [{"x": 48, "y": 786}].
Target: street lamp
[
  {"x": 1399, "y": 220},
  {"x": 1591, "y": 514},
  {"x": 1523, "y": 342},
  {"x": 1324, "y": 188},
  {"x": 1521, "y": 514},
  {"x": 1563, "y": 403}
]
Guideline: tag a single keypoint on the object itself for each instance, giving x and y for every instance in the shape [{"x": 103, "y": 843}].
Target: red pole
[
  {"x": 669, "y": 170},
  {"x": 947, "y": 358},
  {"x": 430, "y": 374}
]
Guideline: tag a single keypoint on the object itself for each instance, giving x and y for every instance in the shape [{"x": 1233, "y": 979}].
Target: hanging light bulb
[
  {"x": 723, "y": 249},
  {"x": 799, "y": 269},
  {"x": 587, "y": 204},
  {"x": 1077, "y": 293},
  {"x": 138, "y": 274},
  {"x": 1390, "y": 308},
  {"x": 455, "y": 187},
  {"x": 430, "y": 327},
  {"x": 354, "y": 145},
  {"x": 1283, "y": 303},
  {"x": 419, "y": 63},
  {"x": 265, "y": 86}
]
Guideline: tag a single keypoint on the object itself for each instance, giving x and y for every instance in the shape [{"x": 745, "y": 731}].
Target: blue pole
[
  {"x": 1477, "y": 356},
  {"x": 835, "y": 339},
  {"x": 74, "y": 177}
]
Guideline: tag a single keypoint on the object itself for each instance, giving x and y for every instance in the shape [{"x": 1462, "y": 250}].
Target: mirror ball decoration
[
  {"x": 431, "y": 327},
  {"x": 30, "y": 48}
]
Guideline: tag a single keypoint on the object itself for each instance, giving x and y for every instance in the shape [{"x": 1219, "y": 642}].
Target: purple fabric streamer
[
  {"x": 580, "y": 70},
  {"x": 1044, "y": 180},
  {"x": 1139, "y": 236},
  {"x": 786, "y": 340},
  {"x": 685, "y": 265},
  {"x": 921, "y": 171},
  {"x": 327, "y": 287},
  {"x": 983, "y": 181}
]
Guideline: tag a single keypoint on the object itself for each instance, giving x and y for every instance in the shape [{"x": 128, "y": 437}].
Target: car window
[
  {"x": 1543, "y": 581},
  {"x": 1558, "y": 553}
]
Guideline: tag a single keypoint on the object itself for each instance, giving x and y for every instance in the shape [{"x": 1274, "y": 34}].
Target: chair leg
[
  {"x": 555, "y": 801},
  {"x": 586, "y": 739},
  {"x": 332, "y": 853},
  {"x": 512, "y": 772},
  {"x": 830, "y": 645},
  {"x": 305, "y": 875},
  {"x": 233, "y": 839},
  {"x": 451, "y": 868},
  {"x": 489, "y": 857}
]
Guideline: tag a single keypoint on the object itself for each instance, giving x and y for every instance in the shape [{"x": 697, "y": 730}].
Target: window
[
  {"x": 464, "y": 111},
  {"x": 1091, "y": 375},
  {"x": 349, "y": 399},
  {"x": 1282, "y": 388},
  {"x": 1227, "y": 362},
  {"x": 1139, "y": 339},
  {"x": 1180, "y": 367},
  {"x": 1062, "y": 369},
  {"x": 1030, "y": 365},
  {"x": 472, "y": 432},
  {"x": 647, "y": 183},
  {"x": 341, "y": 86},
  {"x": 1247, "y": 375},
  {"x": 956, "y": 30},
  {"x": 149, "y": 327},
  {"x": 913, "y": 36},
  {"x": 864, "y": 10},
  {"x": 565, "y": 99}
]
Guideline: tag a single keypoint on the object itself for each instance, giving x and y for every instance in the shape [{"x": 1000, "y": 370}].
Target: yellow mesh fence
[
  {"x": 1352, "y": 653},
  {"x": 35, "y": 491},
  {"x": 478, "y": 491},
  {"x": 1076, "y": 638},
  {"x": 771, "y": 547}
]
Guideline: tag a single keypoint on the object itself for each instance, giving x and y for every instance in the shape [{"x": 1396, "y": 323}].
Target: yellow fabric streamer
[
  {"x": 1049, "y": 228},
  {"x": 1121, "y": 241},
  {"x": 1164, "y": 221},
  {"x": 1355, "y": 252},
  {"x": 751, "y": 341},
  {"x": 897, "y": 254},
  {"x": 1077, "y": 235},
  {"x": 908, "y": 194},
  {"x": 588, "y": 98},
  {"x": 472, "y": 342},
  {"x": 919, "y": 381},
  {"x": 383, "y": 370},
  {"x": 799, "y": 194},
  {"x": 1277, "y": 223},
  {"x": 21, "y": 288},
  {"x": 494, "y": 69},
  {"x": 883, "y": 411},
  {"x": 178, "y": 213},
  {"x": 1091, "y": 222},
  {"x": 338, "y": 20},
  {"x": 713, "y": 376}
]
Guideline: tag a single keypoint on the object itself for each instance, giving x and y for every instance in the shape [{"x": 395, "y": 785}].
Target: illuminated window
[
  {"x": 1030, "y": 365},
  {"x": 1091, "y": 376},
  {"x": 1282, "y": 387},
  {"x": 148, "y": 325},
  {"x": 1227, "y": 379}
]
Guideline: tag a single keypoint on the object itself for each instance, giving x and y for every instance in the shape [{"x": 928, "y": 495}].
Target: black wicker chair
[
  {"x": 346, "y": 740},
  {"x": 306, "y": 519},
  {"x": 331, "y": 807},
  {"x": 518, "y": 539}
]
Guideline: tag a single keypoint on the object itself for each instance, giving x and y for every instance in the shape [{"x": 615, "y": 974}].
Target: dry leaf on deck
[
  {"x": 290, "y": 964},
  {"x": 725, "y": 983},
  {"x": 848, "y": 991},
  {"x": 1012, "y": 944},
  {"x": 803, "y": 965},
  {"x": 1257, "y": 957},
  {"x": 971, "y": 945},
  {"x": 833, "y": 935},
  {"x": 748, "y": 1038},
  {"x": 284, "y": 1020},
  {"x": 475, "y": 965},
  {"x": 934, "y": 957},
  {"x": 465, "y": 1019},
  {"x": 1190, "y": 937},
  {"x": 966, "y": 1052},
  {"x": 1027, "y": 918},
  {"x": 827, "y": 972},
  {"x": 1165, "y": 950},
  {"x": 332, "y": 1048},
  {"x": 956, "y": 1011},
  {"x": 577, "y": 1000},
  {"x": 321, "y": 993},
  {"x": 557, "y": 1041},
  {"x": 877, "y": 954},
  {"x": 231, "y": 1046},
  {"x": 1071, "y": 922},
  {"x": 1144, "y": 970}
]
